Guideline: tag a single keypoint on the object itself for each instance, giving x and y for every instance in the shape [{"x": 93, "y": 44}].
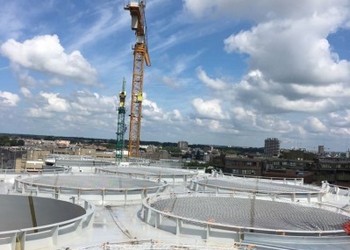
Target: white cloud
[
  {"x": 302, "y": 105},
  {"x": 340, "y": 119},
  {"x": 215, "y": 84},
  {"x": 81, "y": 113},
  {"x": 25, "y": 92},
  {"x": 176, "y": 115},
  {"x": 292, "y": 50},
  {"x": 275, "y": 124},
  {"x": 335, "y": 90},
  {"x": 49, "y": 105},
  {"x": 151, "y": 111},
  {"x": 242, "y": 115},
  {"x": 209, "y": 109},
  {"x": 314, "y": 125},
  {"x": 214, "y": 125},
  {"x": 87, "y": 103},
  {"x": 54, "y": 103},
  {"x": 39, "y": 113},
  {"x": 341, "y": 131},
  {"x": 259, "y": 10},
  {"x": 8, "y": 99},
  {"x": 46, "y": 54},
  {"x": 24, "y": 79}
]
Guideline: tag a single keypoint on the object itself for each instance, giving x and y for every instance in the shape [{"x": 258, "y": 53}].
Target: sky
[{"x": 225, "y": 72}]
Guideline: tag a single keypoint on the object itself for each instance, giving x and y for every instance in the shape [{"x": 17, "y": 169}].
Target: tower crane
[
  {"x": 141, "y": 56},
  {"x": 121, "y": 127}
]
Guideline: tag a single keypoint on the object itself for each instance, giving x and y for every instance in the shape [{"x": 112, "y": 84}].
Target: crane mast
[
  {"x": 141, "y": 56},
  {"x": 121, "y": 127}
]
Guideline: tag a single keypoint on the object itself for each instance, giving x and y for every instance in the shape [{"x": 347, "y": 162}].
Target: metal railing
[
  {"x": 104, "y": 194},
  {"x": 148, "y": 211},
  {"x": 49, "y": 235}
]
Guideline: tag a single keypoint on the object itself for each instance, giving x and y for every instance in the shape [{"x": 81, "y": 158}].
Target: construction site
[{"x": 131, "y": 203}]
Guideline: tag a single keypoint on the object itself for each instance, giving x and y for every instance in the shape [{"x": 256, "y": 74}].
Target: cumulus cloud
[
  {"x": 8, "y": 99},
  {"x": 292, "y": 50},
  {"x": 314, "y": 125},
  {"x": 215, "y": 84},
  {"x": 54, "y": 103},
  {"x": 209, "y": 109},
  {"x": 341, "y": 131},
  {"x": 39, "y": 113},
  {"x": 46, "y": 54},
  {"x": 293, "y": 71},
  {"x": 244, "y": 116},
  {"x": 275, "y": 124},
  {"x": 259, "y": 11},
  {"x": 49, "y": 104},
  {"x": 79, "y": 112},
  {"x": 151, "y": 110},
  {"x": 340, "y": 119},
  {"x": 25, "y": 92},
  {"x": 87, "y": 103}
]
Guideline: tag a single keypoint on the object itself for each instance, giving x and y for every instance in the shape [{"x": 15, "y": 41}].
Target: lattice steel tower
[
  {"x": 138, "y": 24},
  {"x": 121, "y": 126}
]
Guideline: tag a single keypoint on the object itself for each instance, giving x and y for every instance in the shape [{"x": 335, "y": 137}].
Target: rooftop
[{"x": 232, "y": 213}]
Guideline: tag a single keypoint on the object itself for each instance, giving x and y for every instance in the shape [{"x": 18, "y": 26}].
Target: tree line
[{"x": 10, "y": 142}]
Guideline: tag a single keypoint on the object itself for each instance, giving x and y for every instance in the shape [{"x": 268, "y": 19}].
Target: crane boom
[{"x": 141, "y": 56}]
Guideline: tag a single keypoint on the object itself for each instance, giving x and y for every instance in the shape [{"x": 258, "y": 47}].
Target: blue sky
[{"x": 226, "y": 72}]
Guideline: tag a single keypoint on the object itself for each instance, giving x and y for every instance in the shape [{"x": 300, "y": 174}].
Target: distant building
[
  {"x": 320, "y": 149},
  {"x": 242, "y": 166},
  {"x": 182, "y": 145},
  {"x": 62, "y": 143},
  {"x": 272, "y": 147}
]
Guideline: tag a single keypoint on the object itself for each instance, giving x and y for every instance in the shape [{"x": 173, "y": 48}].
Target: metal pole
[{"x": 2, "y": 162}]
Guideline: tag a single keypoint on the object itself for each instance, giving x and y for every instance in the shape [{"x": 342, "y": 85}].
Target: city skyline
[{"x": 224, "y": 72}]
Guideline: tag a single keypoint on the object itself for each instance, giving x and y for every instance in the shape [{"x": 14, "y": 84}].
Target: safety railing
[
  {"x": 48, "y": 236},
  {"x": 155, "y": 217}
]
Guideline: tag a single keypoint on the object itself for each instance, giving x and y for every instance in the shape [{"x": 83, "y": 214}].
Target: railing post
[
  {"x": 157, "y": 220},
  {"x": 207, "y": 232},
  {"x": 125, "y": 196},
  {"x": 146, "y": 214},
  {"x": 20, "y": 241},
  {"x": 103, "y": 193},
  {"x": 55, "y": 235},
  {"x": 178, "y": 226},
  {"x": 293, "y": 197}
]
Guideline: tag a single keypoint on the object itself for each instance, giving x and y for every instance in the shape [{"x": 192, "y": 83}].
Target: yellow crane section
[{"x": 141, "y": 56}]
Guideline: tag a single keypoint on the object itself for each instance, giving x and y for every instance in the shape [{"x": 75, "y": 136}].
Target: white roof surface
[{"x": 120, "y": 227}]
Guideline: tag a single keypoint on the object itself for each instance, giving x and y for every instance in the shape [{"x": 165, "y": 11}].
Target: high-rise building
[
  {"x": 320, "y": 149},
  {"x": 272, "y": 147},
  {"x": 183, "y": 145}
]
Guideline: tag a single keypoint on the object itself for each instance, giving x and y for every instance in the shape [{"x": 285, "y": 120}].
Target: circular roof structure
[
  {"x": 252, "y": 214},
  {"x": 150, "y": 172},
  {"x": 89, "y": 182},
  {"x": 256, "y": 185},
  {"x": 23, "y": 212},
  {"x": 30, "y": 222},
  {"x": 95, "y": 188}
]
